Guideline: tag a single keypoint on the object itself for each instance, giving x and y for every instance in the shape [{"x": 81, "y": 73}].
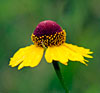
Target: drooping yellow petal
[
  {"x": 56, "y": 53},
  {"x": 28, "y": 56},
  {"x": 66, "y": 52},
  {"x": 83, "y": 51},
  {"x": 76, "y": 53}
]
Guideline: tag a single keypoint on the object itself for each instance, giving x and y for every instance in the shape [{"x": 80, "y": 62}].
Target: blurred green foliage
[{"x": 80, "y": 19}]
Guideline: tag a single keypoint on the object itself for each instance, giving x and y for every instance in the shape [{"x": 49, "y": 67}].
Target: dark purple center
[{"x": 47, "y": 27}]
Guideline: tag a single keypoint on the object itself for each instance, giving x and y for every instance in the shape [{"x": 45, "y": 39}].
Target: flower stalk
[{"x": 58, "y": 72}]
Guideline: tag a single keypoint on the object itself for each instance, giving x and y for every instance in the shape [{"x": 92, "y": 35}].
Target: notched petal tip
[
  {"x": 20, "y": 66},
  {"x": 83, "y": 62},
  {"x": 86, "y": 64},
  {"x": 90, "y": 52},
  {"x": 65, "y": 63},
  {"x": 9, "y": 64},
  {"x": 88, "y": 56},
  {"x": 86, "y": 60}
]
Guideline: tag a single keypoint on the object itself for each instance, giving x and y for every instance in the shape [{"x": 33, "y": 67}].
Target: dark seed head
[
  {"x": 48, "y": 33},
  {"x": 47, "y": 28}
]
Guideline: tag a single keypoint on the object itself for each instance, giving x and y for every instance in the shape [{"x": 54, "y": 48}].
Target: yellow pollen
[{"x": 53, "y": 40}]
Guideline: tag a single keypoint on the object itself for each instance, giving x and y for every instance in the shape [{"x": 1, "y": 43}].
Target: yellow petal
[
  {"x": 83, "y": 51},
  {"x": 28, "y": 56},
  {"x": 77, "y": 53},
  {"x": 66, "y": 52},
  {"x": 56, "y": 53}
]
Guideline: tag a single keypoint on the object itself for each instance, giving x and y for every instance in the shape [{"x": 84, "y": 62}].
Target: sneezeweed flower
[{"x": 49, "y": 37}]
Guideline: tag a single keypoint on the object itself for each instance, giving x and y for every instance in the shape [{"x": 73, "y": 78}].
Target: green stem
[{"x": 58, "y": 72}]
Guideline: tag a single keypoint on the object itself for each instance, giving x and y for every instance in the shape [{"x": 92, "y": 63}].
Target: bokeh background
[{"x": 80, "y": 19}]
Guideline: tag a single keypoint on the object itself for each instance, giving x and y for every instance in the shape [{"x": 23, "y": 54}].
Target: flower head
[{"x": 48, "y": 34}]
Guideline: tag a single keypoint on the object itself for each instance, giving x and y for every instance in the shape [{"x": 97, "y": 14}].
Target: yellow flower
[{"x": 48, "y": 34}]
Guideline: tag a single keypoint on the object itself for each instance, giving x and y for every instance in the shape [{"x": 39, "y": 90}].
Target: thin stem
[{"x": 58, "y": 72}]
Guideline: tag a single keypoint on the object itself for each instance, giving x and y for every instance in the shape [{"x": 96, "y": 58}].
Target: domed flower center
[{"x": 48, "y": 33}]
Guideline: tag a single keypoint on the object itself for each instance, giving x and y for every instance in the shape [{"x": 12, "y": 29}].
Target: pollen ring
[{"x": 57, "y": 39}]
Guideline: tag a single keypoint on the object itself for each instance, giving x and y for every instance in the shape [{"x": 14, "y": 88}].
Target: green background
[{"x": 80, "y": 19}]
